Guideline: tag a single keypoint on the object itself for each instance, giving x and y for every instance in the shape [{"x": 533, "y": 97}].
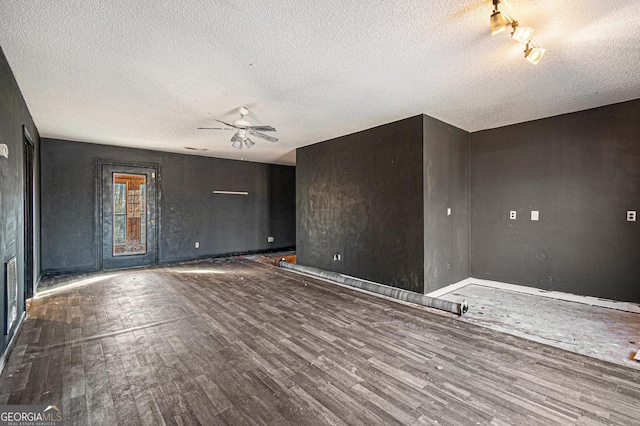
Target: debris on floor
[
  {"x": 594, "y": 331},
  {"x": 273, "y": 258}
]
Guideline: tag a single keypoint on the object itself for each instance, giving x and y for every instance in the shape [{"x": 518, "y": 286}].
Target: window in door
[{"x": 129, "y": 214}]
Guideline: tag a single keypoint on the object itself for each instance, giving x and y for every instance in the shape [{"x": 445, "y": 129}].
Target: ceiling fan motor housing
[{"x": 241, "y": 123}]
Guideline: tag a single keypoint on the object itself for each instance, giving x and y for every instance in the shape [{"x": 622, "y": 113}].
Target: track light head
[
  {"x": 533, "y": 54},
  {"x": 498, "y": 23},
  {"x": 521, "y": 34}
]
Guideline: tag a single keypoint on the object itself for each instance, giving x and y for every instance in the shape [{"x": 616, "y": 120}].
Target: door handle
[{"x": 153, "y": 222}]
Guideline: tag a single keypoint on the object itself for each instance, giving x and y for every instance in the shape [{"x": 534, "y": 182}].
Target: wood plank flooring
[{"x": 238, "y": 342}]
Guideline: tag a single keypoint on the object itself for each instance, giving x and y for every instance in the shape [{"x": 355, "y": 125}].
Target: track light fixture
[
  {"x": 499, "y": 21},
  {"x": 533, "y": 54},
  {"x": 521, "y": 34}
]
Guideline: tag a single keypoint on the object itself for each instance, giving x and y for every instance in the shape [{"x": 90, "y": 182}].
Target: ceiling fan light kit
[
  {"x": 499, "y": 21},
  {"x": 244, "y": 129}
]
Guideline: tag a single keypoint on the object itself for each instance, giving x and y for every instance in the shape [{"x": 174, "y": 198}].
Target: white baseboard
[
  {"x": 588, "y": 300},
  {"x": 448, "y": 289}
]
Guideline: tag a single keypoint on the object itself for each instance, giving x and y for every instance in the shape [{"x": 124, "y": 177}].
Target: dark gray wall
[
  {"x": 13, "y": 115},
  {"x": 189, "y": 211},
  {"x": 361, "y": 196},
  {"x": 446, "y": 186},
  {"x": 582, "y": 172}
]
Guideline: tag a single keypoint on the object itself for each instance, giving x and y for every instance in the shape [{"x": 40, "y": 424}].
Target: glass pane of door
[{"x": 129, "y": 214}]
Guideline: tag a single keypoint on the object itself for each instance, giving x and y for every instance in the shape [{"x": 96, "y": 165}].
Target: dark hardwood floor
[{"x": 239, "y": 342}]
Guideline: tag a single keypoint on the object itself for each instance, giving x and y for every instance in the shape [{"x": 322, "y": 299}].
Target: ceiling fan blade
[
  {"x": 262, "y": 128},
  {"x": 214, "y": 128},
  {"x": 263, "y": 136},
  {"x": 226, "y": 124}
]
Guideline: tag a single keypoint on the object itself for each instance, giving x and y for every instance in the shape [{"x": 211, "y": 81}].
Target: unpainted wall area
[
  {"x": 360, "y": 196},
  {"x": 581, "y": 171},
  {"x": 13, "y": 115},
  {"x": 446, "y": 204},
  {"x": 189, "y": 211}
]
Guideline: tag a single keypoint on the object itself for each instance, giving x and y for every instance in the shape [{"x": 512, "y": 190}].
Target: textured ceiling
[{"x": 147, "y": 73}]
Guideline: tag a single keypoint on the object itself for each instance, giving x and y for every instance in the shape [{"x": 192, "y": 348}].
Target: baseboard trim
[
  {"x": 448, "y": 289},
  {"x": 558, "y": 295},
  {"x": 7, "y": 351}
]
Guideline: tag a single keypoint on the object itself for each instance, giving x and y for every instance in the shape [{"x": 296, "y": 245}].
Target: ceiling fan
[{"x": 244, "y": 129}]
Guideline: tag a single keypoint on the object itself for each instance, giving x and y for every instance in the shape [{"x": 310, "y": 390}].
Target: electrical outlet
[
  {"x": 269, "y": 239},
  {"x": 512, "y": 215},
  {"x": 631, "y": 215},
  {"x": 337, "y": 257},
  {"x": 535, "y": 215},
  {"x": 197, "y": 244}
]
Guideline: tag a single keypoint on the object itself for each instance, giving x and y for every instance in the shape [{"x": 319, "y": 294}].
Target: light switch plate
[
  {"x": 512, "y": 215},
  {"x": 535, "y": 215},
  {"x": 4, "y": 151},
  {"x": 449, "y": 211},
  {"x": 631, "y": 215},
  {"x": 269, "y": 239}
]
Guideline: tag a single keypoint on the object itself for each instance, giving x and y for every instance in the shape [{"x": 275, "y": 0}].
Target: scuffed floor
[
  {"x": 235, "y": 342},
  {"x": 601, "y": 333}
]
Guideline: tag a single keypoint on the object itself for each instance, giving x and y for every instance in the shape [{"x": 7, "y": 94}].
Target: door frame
[
  {"x": 28, "y": 214},
  {"x": 155, "y": 168}
]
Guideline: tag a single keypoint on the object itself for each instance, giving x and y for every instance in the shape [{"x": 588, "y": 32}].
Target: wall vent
[{"x": 11, "y": 295}]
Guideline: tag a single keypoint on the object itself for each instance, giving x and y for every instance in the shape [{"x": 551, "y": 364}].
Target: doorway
[
  {"x": 28, "y": 191},
  {"x": 129, "y": 224}
]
